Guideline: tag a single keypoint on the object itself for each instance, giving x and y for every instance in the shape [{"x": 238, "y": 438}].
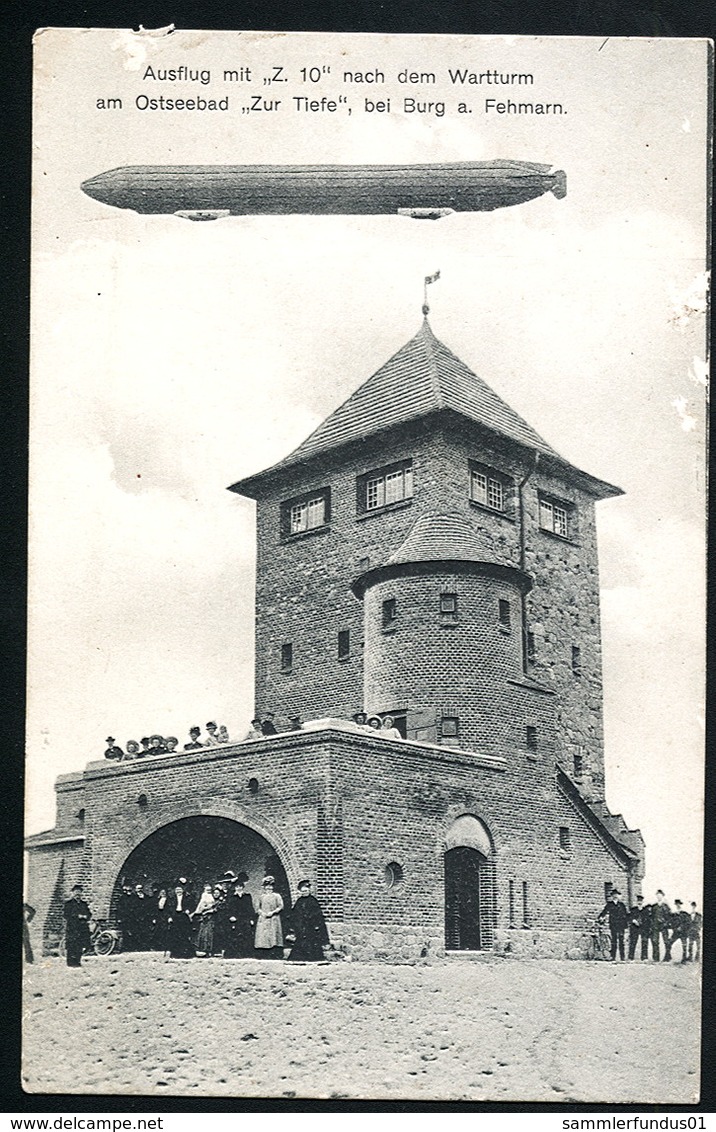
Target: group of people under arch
[{"x": 224, "y": 920}]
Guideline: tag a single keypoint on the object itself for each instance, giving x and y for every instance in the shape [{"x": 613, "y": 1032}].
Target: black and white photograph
[{"x": 367, "y": 529}]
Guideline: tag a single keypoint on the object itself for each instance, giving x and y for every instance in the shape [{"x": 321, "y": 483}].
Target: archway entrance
[
  {"x": 201, "y": 849},
  {"x": 469, "y": 886}
]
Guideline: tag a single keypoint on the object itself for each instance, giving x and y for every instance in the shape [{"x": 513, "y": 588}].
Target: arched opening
[
  {"x": 201, "y": 849},
  {"x": 469, "y": 886}
]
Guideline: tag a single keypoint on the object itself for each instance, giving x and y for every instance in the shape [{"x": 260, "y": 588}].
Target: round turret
[{"x": 442, "y": 635}]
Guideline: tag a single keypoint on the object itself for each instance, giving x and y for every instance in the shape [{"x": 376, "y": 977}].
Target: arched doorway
[
  {"x": 469, "y": 886},
  {"x": 201, "y": 848}
]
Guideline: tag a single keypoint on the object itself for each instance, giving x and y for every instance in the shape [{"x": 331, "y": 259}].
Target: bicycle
[
  {"x": 104, "y": 939},
  {"x": 600, "y": 942}
]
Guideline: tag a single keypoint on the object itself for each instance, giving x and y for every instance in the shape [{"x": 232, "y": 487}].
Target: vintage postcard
[{"x": 367, "y": 528}]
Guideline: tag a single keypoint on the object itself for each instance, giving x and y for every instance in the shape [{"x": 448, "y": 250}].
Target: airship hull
[{"x": 244, "y": 190}]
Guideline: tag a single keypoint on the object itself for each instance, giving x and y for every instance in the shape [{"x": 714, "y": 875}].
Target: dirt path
[{"x": 497, "y": 1030}]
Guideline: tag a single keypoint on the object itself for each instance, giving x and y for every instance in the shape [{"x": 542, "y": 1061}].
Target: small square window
[
  {"x": 390, "y": 612},
  {"x": 564, "y": 838},
  {"x": 344, "y": 644},
  {"x": 287, "y": 658},
  {"x": 531, "y": 734},
  {"x": 449, "y": 727},
  {"x": 504, "y": 612},
  {"x": 448, "y": 607},
  {"x": 576, "y": 660}
]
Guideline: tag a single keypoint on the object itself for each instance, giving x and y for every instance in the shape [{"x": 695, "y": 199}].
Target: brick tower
[
  {"x": 424, "y": 554},
  {"x": 470, "y": 545}
]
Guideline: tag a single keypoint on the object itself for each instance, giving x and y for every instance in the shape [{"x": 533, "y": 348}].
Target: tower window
[
  {"x": 512, "y": 903},
  {"x": 576, "y": 660},
  {"x": 384, "y": 486},
  {"x": 448, "y": 607},
  {"x": 390, "y": 613},
  {"x": 306, "y": 513},
  {"x": 531, "y": 733},
  {"x": 525, "y": 906},
  {"x": 564, "y": 838},
  {"x": 489, "y": 488},
  {"x": 578, "y": 762},
  {"x": 287, "y": 658},
  {"x": 449, "y": 730},
  {"x": 344, "y": 644},
  {"x": 504, "y": 614},
  {"x": 531, "y": 650},
  {"x": 556, "y": 516}
]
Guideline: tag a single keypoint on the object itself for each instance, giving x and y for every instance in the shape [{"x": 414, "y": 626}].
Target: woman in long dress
[
  {"x": 205, "y": 914},
  {"x": 269, "y": 933},
  {"x": 179, "y": 929}
]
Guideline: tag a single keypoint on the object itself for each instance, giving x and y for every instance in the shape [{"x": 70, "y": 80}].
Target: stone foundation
[{"x": 536, "y": 943}]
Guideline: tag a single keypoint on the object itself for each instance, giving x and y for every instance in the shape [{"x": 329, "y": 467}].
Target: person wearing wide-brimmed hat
[
  {"x": 157, "y": 746},
  {"x": 269, "y": 933}
]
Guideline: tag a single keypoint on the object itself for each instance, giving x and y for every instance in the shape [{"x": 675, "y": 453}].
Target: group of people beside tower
[
  {"x": 652, "y": 925},
  {"x": 224, "y": 920}
]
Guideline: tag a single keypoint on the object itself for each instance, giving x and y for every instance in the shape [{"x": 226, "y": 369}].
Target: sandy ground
[{"x": 500, "y": 1029}]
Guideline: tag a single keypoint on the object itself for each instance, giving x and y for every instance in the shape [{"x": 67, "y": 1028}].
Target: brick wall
[
  {"x": 340, "y": 807},
  {"x": 303, "y": 586}
]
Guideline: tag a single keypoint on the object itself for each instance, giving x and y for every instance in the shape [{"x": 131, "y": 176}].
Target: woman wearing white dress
[{"x": 269, "y": 933}]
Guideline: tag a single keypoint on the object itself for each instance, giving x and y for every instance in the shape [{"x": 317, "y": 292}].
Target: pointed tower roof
[{"x": 423, "y": 377}]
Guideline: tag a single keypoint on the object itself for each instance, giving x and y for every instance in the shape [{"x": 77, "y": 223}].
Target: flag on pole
[{"x": 432, "y": 278}]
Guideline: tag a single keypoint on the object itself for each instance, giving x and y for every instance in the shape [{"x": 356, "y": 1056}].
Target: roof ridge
[{"x": 429, "y": 342}]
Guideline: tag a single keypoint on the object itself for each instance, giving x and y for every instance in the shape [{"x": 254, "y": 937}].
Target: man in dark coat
[
  {"x": 238, "y": 923},
  {"x": 680, "y": 923},
  {"x": 695, "y": 923},
  {"x": 615, "y": 911},
  {"x": 308, "y": 927},
  {"x": 125, "y": 902},
  {"x": 180, "y": 941},
  {"x": 639, "y": 927},
  {"x": 77, "y": 917},
  {"x": 141, "y": 918},
  {"x": 660, "y": 922},
  {"x": 112, "y": 751}
]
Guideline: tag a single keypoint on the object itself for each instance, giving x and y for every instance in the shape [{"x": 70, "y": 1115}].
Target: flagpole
[{"x": 428, "y": 279}]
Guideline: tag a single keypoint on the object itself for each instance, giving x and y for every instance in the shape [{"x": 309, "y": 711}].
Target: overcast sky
[{"x": 170, "y": 359}]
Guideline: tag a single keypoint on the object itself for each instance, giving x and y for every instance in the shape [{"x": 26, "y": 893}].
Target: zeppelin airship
[{"x": 209, "y": 192}]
